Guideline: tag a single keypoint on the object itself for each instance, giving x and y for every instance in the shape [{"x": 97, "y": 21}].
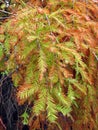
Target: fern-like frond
[
  {"x": 31, "y": 70},
  {"x": 51, "y": 108},
  {"x": 55, "y": 50},
  {"x": 42, "y": 63},
  {"x": 76, "y": 55},
  {"x": 64, "y": 110},
  {"x": 71, "y": 93},
  {"x": 79, "y": 86},
  {"x": 84, "y": 75},
  {"x": 7, "y": 44},
  {"x": 61, "y": 98},
  {"x": 40, "y": 103},
  {"x": 28, "y": 47},
  {"x": 27, "y": 90}
]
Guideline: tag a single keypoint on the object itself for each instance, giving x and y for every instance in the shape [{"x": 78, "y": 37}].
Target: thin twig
[
  {"x": 95, "y": 56},
  {"x": 50, "y": 26},
  {"x": 6, "y": 12},
  {"x": 3, "y": 18}
]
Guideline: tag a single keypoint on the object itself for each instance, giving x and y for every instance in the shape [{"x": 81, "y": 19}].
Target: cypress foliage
[{"x": 55, "y": 50}]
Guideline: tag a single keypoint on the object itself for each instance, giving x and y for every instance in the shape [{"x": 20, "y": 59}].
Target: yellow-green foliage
[{"x": 51, "y": 48}]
